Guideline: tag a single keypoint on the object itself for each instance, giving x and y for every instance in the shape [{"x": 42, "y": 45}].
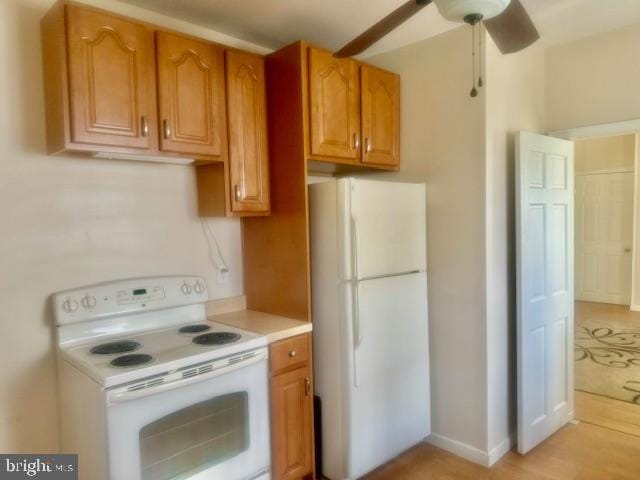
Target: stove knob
[
  {"x": 198, "y": 287},
  {"x": 69, "y": 305},
  {"x": 186, "y": 288},
  {"x": 88, "y": 302}
]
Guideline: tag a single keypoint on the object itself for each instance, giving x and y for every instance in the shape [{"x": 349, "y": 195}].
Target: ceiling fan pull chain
[
  {"x": 480, "y": 35},
  {"x": 474, "y": 92}
]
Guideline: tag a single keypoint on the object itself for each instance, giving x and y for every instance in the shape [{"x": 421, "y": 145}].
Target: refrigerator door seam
[{"x": 390, "y": 275}]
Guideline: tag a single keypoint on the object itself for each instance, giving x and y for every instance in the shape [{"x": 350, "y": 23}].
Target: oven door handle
[{"x": 124, "y": 395}]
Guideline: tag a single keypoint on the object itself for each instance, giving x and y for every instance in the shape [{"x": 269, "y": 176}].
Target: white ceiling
[{"x": 333, "y": 23}]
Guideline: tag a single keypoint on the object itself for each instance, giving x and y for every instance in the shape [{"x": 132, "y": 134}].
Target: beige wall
[
  {"x": 443, "y": 145},
  {"x": 515, "y": 102},
  {"x": 71, "y": 221},
  {"x": 594, "y": 80},
  {"x": 605, "y": 153}
]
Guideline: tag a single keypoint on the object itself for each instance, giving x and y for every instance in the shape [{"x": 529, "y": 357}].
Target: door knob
[{"x": 627, "y": 250}]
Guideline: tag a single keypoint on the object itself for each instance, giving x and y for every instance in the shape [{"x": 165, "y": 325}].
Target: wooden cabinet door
[
  {"x": 334, "y": 101},
  {"x": 247, "y": 118},
  {"x": 190, "y": 96},
  {"x": 291, "y": 423},
  {"x": 380, "y": 117},
  {"x": 111, "y": 80}
]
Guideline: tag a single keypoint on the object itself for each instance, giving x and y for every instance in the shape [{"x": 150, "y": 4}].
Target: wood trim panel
[
  {"x": 56, "y": 80},
  {"x": 276, "y": 248}
]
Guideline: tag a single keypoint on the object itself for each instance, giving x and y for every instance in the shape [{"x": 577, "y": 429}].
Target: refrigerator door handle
[
  {"x": 355, "y": 306},
  {"x": 354, "y": 249},
  {"x": 355, "y": 318},
  {"x": 357, "y": 338}
]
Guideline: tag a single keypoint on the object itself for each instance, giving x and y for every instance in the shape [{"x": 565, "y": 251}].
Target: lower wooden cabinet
[{"x": 292, "y": 409}]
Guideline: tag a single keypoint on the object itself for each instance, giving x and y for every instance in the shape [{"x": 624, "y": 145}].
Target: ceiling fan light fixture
[{"x": 460, "y": 10}]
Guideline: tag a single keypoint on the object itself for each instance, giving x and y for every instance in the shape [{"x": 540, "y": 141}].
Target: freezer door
[
  {"x": 389, "y": 401},
  {"x": 388, "y": 227}
]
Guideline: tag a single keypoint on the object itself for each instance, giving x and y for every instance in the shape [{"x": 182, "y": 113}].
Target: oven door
[{"x": 209, "y": 421}]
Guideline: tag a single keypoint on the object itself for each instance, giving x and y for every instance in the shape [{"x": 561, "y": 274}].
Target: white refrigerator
[{"x": 371, "y": 340}]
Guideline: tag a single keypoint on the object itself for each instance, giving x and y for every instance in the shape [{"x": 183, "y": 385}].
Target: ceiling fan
[{"x": 507, "y": 22}]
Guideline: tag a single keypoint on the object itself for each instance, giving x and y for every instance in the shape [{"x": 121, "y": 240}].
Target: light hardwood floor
[
  {"x": 605, "y": 445},
  {"x": 580, "y": 452},
  {"x": 609, "y": 413}
]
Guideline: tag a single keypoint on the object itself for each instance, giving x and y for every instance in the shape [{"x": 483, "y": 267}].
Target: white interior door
[
  {"x": 604, "y": 236},
  {"x": 544, "y": 246}
]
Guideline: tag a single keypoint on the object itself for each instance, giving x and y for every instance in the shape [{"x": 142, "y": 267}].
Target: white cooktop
[
  {"x": 149, "y": 311},
  {"x": 169, "y": 349}
]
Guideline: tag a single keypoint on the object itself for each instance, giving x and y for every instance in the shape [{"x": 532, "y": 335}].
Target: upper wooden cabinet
[
  {"x": 111, "y": 79},
  {"x": 334, "y": 105},
  {"x": 127, "y": 89},
  {"x": 248, "y": 149},
  {"x": 353, "y": 111},
  {"x": 190, "y": 96},
  {"x": 380, "y": 117}
]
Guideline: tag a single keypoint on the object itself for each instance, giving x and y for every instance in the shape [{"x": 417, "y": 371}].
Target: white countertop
[{"x": 274, "y": 327}]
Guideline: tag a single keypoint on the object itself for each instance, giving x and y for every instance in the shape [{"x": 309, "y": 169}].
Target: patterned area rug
[{"x": 607, "y": 359}]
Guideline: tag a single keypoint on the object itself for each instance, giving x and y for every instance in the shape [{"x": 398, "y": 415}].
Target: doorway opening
[{"x": 607, "y": 316}]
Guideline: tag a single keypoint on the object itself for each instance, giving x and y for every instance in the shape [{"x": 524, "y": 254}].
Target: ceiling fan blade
[
  {"x": 513, "y": 29},
  {"x": 383, "y": 27}
]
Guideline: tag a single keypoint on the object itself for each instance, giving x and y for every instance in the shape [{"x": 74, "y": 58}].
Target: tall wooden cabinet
[
  {"x": 321, "y": 108},
  {"x": 191, "y": 96}
]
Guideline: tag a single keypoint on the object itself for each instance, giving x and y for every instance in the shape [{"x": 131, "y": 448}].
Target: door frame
[{"x": 629, "y": 127}]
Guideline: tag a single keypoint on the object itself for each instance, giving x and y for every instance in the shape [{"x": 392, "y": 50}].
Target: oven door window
[{"x": 195, "y": 438}]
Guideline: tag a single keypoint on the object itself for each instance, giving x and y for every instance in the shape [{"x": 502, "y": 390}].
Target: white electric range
[{"x": 152, "y": 390}]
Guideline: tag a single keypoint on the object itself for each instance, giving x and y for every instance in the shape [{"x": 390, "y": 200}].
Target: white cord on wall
[{"x": 215, "y": 257}]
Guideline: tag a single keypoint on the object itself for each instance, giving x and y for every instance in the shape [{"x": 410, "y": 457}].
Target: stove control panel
[
  {"x": 140, "y": 294},
  {"x": 127, "y": 296}
]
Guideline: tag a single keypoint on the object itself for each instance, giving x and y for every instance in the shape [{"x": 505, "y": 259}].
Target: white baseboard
[
  {"x": 501, "y": 450},
  {"x": 473, "y": 454},
  {"x": 635, "y": 308}
]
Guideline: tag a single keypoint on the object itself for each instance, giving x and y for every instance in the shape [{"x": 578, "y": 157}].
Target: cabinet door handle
[
  {"x": 144, "y": 124},
  {"x": 367, "y": 145},
  {"x": 356, "y": 141},
  {"x": 166, "y": 129},
  {"x": 307, "y": 386},
  {"x": 236, "y": 192}
]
